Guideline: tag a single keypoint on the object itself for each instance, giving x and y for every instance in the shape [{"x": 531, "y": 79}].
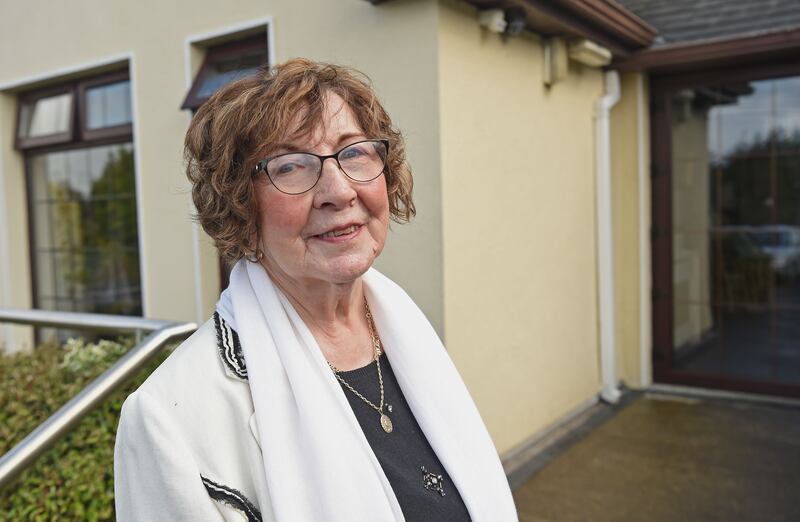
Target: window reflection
[
  {"x": 748, "y": 116},
  {"x": 736, "y": 229},
  {"x": 225, "y": 71},
  {"x": 85, "y": 226},
  {"x": 108, "y": 105},
  {"x": 45, "y": 116}
]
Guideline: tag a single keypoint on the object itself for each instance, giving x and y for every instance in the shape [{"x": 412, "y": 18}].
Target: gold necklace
[{"x": 386, "y": 422}]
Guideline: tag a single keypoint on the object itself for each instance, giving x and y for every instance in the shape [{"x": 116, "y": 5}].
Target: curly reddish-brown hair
[{"x": 240, "y": 125}]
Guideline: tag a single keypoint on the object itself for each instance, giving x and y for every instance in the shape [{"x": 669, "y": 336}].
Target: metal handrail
[{"x": 25, "y": 453}]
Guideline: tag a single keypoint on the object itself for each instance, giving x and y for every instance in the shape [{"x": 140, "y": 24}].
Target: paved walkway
[{"x": 670, "y": 458}]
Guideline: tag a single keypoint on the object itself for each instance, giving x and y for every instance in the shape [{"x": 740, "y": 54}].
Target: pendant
[{"x": 386, "y": 423}]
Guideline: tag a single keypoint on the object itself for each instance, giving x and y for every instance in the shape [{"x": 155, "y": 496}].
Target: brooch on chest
[{"x": 432, "y": 482}]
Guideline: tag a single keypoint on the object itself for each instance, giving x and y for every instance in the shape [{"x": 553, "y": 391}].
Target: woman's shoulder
[
  {"x": 206, "y": 369},
  {"x": 192, "y": 420},
  {"x": 191, "y": 423}
]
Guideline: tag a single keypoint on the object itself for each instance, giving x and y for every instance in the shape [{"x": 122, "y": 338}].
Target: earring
[{"x": 254, "y": 257}]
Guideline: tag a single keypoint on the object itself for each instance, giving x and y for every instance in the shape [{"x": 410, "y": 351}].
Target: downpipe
[{"x": 605, "y": 241}]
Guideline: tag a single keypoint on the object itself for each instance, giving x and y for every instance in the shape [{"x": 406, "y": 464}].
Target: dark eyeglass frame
[{"x": 261, "y": 166}]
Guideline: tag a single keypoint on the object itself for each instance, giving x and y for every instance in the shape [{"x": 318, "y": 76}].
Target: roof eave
[
  {"x": 718, "y": 52},
  {"x": 602, "y": 21},
  {"x": 608, "y": 16}
]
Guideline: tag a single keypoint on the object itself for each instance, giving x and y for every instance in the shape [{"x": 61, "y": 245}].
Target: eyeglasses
[{"x": 298, "y": 172}]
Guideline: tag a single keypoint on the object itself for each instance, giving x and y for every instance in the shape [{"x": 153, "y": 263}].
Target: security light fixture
[
  {"x": 493, "y": 20},
  {"x": 509, "y": 21}
]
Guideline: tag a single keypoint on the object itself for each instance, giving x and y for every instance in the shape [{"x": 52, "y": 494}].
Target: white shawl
[{"x": 317, "y": 461}]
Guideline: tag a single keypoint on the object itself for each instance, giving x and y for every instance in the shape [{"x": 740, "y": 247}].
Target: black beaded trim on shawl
[
  {"x": 233, "y": 498},
  {"x": 230, "y": 349}
]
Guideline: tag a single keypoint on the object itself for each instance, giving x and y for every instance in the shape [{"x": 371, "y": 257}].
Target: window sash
[
  {"x": 78, "y": 130},
  {"x": 89, "y": 134},
  {"x": 24, "y": 141},
  {"x": 219, "y": 54}
]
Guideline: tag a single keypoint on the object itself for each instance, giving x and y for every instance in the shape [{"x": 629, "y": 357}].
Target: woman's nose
[{"x": 334, "y": 187}]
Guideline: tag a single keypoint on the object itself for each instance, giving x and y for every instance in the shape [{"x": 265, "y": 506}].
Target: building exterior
[
  {"x": 725, "y": 179},
  {"x": 532, "y": 252}
]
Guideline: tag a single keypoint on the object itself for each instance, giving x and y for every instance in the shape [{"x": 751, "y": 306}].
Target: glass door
[{"x": 727, "y": 234}]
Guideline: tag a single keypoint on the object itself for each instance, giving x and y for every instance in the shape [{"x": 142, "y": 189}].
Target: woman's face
[{"x": 295, "y": 230}]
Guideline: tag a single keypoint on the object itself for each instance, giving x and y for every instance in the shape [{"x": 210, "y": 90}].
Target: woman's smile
[{"x": 339, "y": 235}]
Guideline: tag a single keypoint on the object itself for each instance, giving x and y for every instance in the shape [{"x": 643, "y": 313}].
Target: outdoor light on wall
[
  {"x": 510, "y": 21},
  {"x": 493, "y": 20},
  {"x": 589, "y": 53}
]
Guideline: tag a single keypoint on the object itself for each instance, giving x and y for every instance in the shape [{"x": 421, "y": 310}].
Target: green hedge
[{"x": 75, "y": 479}]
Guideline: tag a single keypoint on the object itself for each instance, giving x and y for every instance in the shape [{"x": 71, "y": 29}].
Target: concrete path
[{"x": 670, "y": 458}]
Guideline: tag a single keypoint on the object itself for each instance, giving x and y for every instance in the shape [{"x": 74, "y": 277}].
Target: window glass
[
  {"x": 735, "y": 216},
  {"x": 45, "y": 116},
  {"x": 108, "y": 105},
  {"x": 753, "y": 116},
  {"x": 85, "y": 241},
  {"x": 225, "y": 71}
]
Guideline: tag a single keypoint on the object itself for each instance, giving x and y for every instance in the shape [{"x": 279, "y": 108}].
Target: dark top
[{"x": 427, "y": 494}]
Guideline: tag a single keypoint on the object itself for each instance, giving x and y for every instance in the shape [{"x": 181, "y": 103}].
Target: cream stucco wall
[
  {"x": 625, "y": 164},
  {"x": 14, "y": 253},
  {"x": 518, "y": 227},
  {"x": 394, "y": 44}
]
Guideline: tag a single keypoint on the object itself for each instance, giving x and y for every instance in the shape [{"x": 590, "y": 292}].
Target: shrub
[
  {"x": 82, "y": 359},
  {"x": 74, "y": 480}
]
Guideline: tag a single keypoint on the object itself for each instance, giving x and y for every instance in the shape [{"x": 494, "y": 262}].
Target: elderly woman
[{"x": 318, "y": 390}]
